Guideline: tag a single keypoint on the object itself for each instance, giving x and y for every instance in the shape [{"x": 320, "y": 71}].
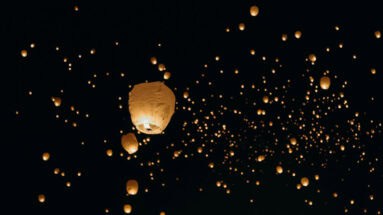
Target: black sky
[{"x": 192, "y": 34}]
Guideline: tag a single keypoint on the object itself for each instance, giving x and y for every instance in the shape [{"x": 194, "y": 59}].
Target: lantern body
[
  {"x": 127, "y": 208},
  {"x": 305, "y": 181},
  {"x": 132, "y": 187},
  {"x": 325, "y": 83},
  {"x": 129, "y": 143},
  {"x": 151, "y": 106}
]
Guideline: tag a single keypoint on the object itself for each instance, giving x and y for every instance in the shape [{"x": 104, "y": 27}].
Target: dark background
[{"x": 191, "y": 34}]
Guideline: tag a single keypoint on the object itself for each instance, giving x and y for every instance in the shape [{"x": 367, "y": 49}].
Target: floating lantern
[
  {"x": 132, "y": 187},
  {"x": 129, "y": 143},
  {"x": 325, "y": 83},
  {"x": 151, "y": 106},
  {"x": 254, "y": 10}
]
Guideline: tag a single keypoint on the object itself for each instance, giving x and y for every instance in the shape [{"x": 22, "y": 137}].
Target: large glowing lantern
[
  {"x": 151, "y": 106},
  {"x": 129, "y": 143},
  {"x": 132, "y": 187}
]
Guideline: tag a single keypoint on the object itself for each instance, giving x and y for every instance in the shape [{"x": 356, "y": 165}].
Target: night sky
[{"x": 255, "y": 129}]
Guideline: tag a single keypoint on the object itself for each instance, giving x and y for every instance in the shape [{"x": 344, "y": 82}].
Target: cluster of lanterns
[{"x": 151, "y": 106}]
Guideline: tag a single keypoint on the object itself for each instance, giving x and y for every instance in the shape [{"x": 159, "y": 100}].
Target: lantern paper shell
[
  {"x": 151, "y": 106},
  {"x": 129, "y": 143},
  {"x": 325, "y": 83},
  {"x": 132, "y": 187}
]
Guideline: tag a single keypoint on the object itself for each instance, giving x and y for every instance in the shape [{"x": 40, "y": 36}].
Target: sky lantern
[
  {"x": 298, "y": 34},
  {"x": 312, "y": 58},
  {"x": 378, "y": 34},
  {"x": 153, "y": 60},
  {"x": 186, "y": 94},
  {"x": 305, "y": 181},
  {"x": 56, "y": 101},
  {"x": 151, "y": 106},
  {"x": 241, "y": 26},
  {"x": 161, "y": 67},
  {"x": 132, "y": 187},
  {"x": 24, "y": 53},
  {"x": 293, "y": 141},
  {"x": 127, "y": 208},
  {"x": 45, "y": 156},
  {"x": 325, "y": 83},
  {"x": 41, "y": 198},
  {"x": 265, "y": 99},
  {"x": 167, "y": 75},
  {"x": 279, "y": 169},
  {"x": 129, "y": 143},
  {"x": 254, "y": 10}
]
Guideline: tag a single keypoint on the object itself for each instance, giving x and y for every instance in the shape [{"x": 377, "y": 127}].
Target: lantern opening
[{"x": 147, "y": 126}]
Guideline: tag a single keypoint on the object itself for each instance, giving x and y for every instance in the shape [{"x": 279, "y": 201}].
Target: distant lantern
[
  {"x": 132, "y": 187},
  {"x": 45, "y": 156},
  {"x": 325, "y": 83},
  {"x": 305, "y": 181},
  {"x": 151, "y": 106},
  {"x": 378, "y": 34},
  {"x": 241, "y": 26},
  {"x": 167, "y": 75},
  {"x": 56, "y": 101},
  {"x": 186, "y": 94},
  {"x": 162, "y": 213},
  {"x": 260, "y": 158},
  {"x": 254, "y": 10},
  {"x": 109, "y": 152},
  {"x": 265, "y": 99},
  {"x": 161, "y": 67},
  {"x": 153, "y": 60},
  {"x": 127, "y": 208},
  {"x": 41, "y": 198},
  {"x": 293, "y": 141},
  {"x": 298, "y": 34},
  {"x": 279, "y": 169},
  {"x": 129, "y": 143},
  {"x": 312, "y": 58},
  {"x": 284, "y": 37},
  {"x": 24, "y": 53}
]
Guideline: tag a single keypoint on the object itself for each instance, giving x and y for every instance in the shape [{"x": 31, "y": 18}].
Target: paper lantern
[
  {"x": 24, "y": 53},
  {"x": 260, "y": 158},
  {"x": 41, "y": 198},
  {"x": 305, "y": 181},
  {"x": 298, "y": 34},
  {"x": 153, "y": 60},
  {"x": 241, "y": 26},
  {"x": 293, "y": 141},
  {"x": 325, "y": 83},
  {"x": 378, "y": 34},
  {"x": 151, "y": 106},
  {"x": 56, "y": 101},
  {"x": 167, "y": 75},
  {"x": 254, "y": 10},
  {"x": 127, "y": 208},
  {"x": 129, "y": 143},
  {"x": 279, "y": 169},
  {"x": 312, "y": 58},
  {"x": 46, "y": 156},
  {"x": 132, "y": 187}
]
